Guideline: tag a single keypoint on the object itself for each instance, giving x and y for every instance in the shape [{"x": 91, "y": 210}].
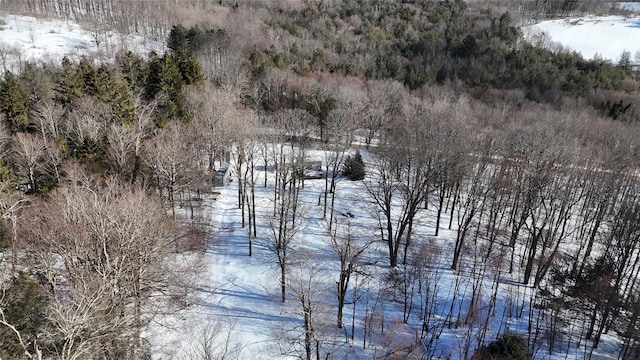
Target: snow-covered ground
[
  {"x": 604, "y": 36},
  {"x": 240, "y": 294},
  {"x": 26, "y": 38}
]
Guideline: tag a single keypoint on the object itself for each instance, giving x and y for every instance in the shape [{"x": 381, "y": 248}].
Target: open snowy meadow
[
  {"x": 26, "y": 38},
  {"x": 605, "y": 37}
]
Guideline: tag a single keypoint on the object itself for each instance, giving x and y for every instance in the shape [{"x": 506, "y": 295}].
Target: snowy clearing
[
  {"x": 26, "y": 38},
  {"x": 605, "y": 37},
  {"x": 240, "y": 294}
]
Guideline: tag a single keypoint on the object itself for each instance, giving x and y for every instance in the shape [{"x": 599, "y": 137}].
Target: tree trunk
[
  {"x": 532, "y": 255},
  {"x": 440, "y": 204},
  {"x": 307, "y": 333},
  {"x": 283, "y": 283},
  {"x": 453, "y": 205}
]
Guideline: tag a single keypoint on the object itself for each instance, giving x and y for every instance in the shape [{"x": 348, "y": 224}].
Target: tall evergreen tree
[
  {"x": 189, "y": 68},
  {"x": 177, "y": 38},
  {"x": 37, "y": 83},
  {"x": 90, "y": 79},
  {"x": 23, "y": 304},
  {"x": 119, "y": 99},
  {"x": 166, "y": 78},
  {"x": 13, "y": 102},
  {"x": 69, "y": 83},
  {"x": 134, "y": 70}
]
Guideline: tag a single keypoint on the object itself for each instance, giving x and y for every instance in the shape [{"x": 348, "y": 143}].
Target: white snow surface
[
  {"x": 241, "y": 293},
  {"x": 27, "y": 38},
  {"x": 605, "y": 37}
]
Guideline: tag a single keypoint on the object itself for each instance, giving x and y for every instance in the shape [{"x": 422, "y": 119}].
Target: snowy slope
[
  {"x": 25, "y": 38},
  {"x": 606, "y": 37}
]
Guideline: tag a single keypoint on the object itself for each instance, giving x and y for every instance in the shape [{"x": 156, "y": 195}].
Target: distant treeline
[{"x": 432, "y": 42}]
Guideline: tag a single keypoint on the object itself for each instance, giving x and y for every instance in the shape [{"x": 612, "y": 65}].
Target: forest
[{"x": 519, "y": 158}]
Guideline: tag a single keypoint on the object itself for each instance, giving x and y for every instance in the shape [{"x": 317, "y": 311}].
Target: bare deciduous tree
[
  {"x": 84, "y": 125},
  {"x": 121, "y": 144},
  {"x": 284, "y": 226},
  {"x": 169, "y": 157},
  {"x": 349, "y": 249},
  {"x": 401, "y": 173},
  {"x": 48, "y": 118},
  {"x": 288, "y": 213},
  {"x": 385, "y": 103},
  {"x": 305, "y": 283},
  {"x": 142, "y": 127},
  {"x": 28, "y": 155},
  {"x": 107, "y": 254},
  {"x": 209, "y": 340}
]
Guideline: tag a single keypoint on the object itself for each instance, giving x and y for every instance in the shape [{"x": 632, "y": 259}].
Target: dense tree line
[{"x": 429, "y": 42}]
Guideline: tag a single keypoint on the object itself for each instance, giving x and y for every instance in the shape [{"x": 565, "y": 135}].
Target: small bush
[
  {"x": 24, "y": 305},
  {"x": 5, "y": 235},
  {"x": 353, "y": 167},
  {"x": 506, "y": 347}
]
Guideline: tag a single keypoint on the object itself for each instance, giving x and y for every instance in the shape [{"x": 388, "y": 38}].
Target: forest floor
[{"x": 240, "y": 295}]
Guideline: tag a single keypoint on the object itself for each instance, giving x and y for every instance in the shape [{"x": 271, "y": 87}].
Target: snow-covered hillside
[
  {"x": 606, "y": 37},
  {"x": 26, "y": 38}
]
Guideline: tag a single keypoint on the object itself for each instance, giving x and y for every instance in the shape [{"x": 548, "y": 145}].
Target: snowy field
[
  {"x": 606, "y": 37},
  {"x": 26, "y": 38}
]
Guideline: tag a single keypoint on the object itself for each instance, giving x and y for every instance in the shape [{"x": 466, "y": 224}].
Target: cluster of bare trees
[
  {"x": 530, "y": 195},
  {"x": 103, "y": 249},
  {"x": 539, "y": 202},
  {"x": 109, "y": 260},
  {"x": 527, "y": 209}
]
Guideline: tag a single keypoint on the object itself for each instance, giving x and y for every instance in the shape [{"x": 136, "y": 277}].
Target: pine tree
[
  {"x": 13, "y": 102},
  {"x": 168, "y": 75},
  {"x": 120, "y": 100},
  {"x": 90, "y": 78},
  {"x": 353, "y": 167},
  {"x": 37, "y": 83},
  {"x": 134, "y": 70},
  {"x": 164, "y": 76},
  {"x": 24, "y": 306},
  {"x": 69, "y": 83},
  {"x": 177, "y": 38},
  {"x": 507, "y": 347},
  {"x": 189, "y": 68}
]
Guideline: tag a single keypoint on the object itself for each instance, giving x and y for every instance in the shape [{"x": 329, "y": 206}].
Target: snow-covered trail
[{"x": 237, "y": 294}]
